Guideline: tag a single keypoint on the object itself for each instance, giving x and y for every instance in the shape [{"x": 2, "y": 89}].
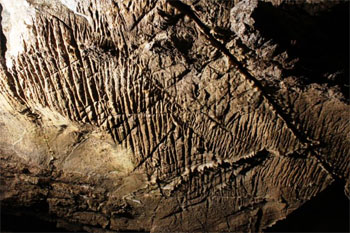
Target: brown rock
[{"x": 171, "y": 115}]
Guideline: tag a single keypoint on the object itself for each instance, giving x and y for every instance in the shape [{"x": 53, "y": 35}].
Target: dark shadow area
[
  {"x": 35, "y": 218},
  {"x": 327, "y": 212},
  {"x": 26, "y": 223},
  {"x": 320, "y": 40},
  {"x": 2, "y": 36}
]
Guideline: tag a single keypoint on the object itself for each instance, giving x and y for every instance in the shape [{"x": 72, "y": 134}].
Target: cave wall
[{"x": 172, "y": 115}]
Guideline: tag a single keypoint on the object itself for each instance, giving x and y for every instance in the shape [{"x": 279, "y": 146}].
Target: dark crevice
[
  {"x": 258, "y": 220},
  {"x": 250, "y": 163},
  {"x": 319, "y": 41},
  {"x": 2, "y": 36},
  {"x": 2, "y": 39},
  {"x": 182, "y": 44}
]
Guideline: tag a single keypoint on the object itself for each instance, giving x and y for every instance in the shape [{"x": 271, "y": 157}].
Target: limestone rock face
[{"x": 167, "y": 115}]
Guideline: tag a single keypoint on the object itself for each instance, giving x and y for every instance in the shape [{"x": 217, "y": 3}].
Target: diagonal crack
[
  {"x": 308, "y": 143},
  {"x": 144, "y": 14},
  {"x": 186, "y": 9}
]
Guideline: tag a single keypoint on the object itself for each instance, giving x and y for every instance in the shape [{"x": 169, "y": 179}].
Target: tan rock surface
[{"x": 167, "y": 115}]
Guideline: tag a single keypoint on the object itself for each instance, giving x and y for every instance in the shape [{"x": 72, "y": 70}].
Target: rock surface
[{"x": 163, "y": 115}]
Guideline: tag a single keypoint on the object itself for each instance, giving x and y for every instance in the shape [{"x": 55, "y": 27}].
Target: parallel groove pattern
[
  {"x": 210, "y": 146},
  {"x": 91, "y": 86}
]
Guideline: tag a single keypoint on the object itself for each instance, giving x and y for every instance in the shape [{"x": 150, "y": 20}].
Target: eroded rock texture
[{"x": 165, "y": 115}]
